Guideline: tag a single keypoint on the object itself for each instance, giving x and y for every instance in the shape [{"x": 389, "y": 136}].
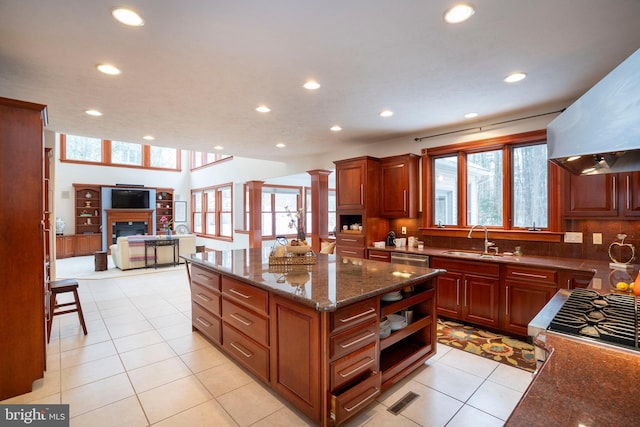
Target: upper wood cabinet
[
  {"x": 602, "y": 196},
  {"x": 357, "y": 183},
  {"x": 399, "y": 186}
]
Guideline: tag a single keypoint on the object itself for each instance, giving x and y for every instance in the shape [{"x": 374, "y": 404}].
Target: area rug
[
  {"x": 84, "y": 268},
  {"x": 501, "y": 348}
]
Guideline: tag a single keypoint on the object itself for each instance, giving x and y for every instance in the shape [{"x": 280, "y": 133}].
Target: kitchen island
[{"x": 311, "y": 332}]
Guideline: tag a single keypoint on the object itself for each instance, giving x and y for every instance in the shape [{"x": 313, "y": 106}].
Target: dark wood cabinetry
[
  {"x": 379, "y": 255},
  {"x": 164, "y": 208},
  {"x": 526, "y": 291},
  {"x": 399, "y": 186},
  {"x": 469, "y": 291},
  {"x": 88, "y": 218},
  {"x": 65, "y": 246},
  {"x": 22, "y": 252},
  {"x": 602, "y": 196}
]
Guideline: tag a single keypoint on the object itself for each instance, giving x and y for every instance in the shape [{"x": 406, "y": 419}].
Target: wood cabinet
[
  {"x": 602, "y": 196},
  {"x": 87, "y": 244},
  {"x": 206, "y": 302},
  {"x": 164, "y": 208},
  {"x": 357, "y": 185},
  {"x": 379, "y": 255},
  {"x": 525, "y": 292},
  {"x": 399, "y": 186},
  {"x": 574, "y": 279},
  {"x": 469, "y": 291},
  {"x": 22, "y": 253},
  {"x": 65, "y": 246},
  {"x": 88, "y": 208}
]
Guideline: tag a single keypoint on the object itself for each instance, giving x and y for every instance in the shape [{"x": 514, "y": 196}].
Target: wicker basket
[
  {"x": 299, "y": 250},
  {"x": 307, "y": 258}
]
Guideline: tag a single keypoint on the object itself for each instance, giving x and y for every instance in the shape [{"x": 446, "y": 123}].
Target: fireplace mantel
[{"x": 129, "y": 215}]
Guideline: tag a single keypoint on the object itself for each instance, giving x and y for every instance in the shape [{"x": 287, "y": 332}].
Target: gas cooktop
[{"x": 610, "y": 318}]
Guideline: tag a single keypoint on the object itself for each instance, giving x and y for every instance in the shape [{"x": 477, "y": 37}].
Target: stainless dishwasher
[{"x": 410, "y": 259}]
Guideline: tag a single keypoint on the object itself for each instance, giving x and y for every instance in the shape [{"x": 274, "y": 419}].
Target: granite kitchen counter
[
  {"x": 333, "y": 281},
  {"x": 582, "y": 383}
]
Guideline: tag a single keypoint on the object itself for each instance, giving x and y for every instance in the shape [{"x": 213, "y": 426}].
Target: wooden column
[
  {"x": 319, "y": 206},
  {"x": 255, "y": 213}
]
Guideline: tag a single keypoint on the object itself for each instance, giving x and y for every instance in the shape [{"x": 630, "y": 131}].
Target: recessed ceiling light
[
  {"x": 515, "y": 77},
  {"x": 311, "y": 85},
  {"x": 471, "y": 115},
  {"x": 386, "y": 113},
  {"x": 218, "y": 147},
  {"x": 336, "y": 128},
  {"x": 572, "y": 158},
  {"x": 281, "y": 145},
  {"x": 149, "y": 137},
  {"x": 95, "y": 113},
  {"x": 459, "y": 13},
  {"x": 263, "y": 109},
  {"x": 127, "y": 17},
  {"x": 108, "y": 69}
]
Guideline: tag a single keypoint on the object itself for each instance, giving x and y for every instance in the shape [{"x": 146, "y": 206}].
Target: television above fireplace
[{"x": 129, "y": 199}]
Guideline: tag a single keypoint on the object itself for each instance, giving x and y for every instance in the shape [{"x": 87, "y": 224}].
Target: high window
[
  {"x": 280, "y": 207},
  {"x": 201, "y": 159},
  {"x": 212, "y": 211},
  {"x": 502, "y": 183}
]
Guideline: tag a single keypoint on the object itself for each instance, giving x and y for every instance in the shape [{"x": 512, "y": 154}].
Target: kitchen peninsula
[{"x": 311, "y": 332}]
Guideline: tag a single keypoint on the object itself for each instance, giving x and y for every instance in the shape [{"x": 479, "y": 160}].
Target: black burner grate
[{"x": 610, "y": 318}]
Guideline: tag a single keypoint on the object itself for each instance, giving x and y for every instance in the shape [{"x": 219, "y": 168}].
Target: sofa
[{"x": 128, "y": 251}]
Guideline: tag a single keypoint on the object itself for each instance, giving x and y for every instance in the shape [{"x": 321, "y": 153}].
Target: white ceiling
[{"x": 193, "y": 75}]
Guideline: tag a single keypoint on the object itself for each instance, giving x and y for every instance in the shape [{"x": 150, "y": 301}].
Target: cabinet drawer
[
  {"x": 206, "y": 322},
  {"x": 248, "y": 353},
  {"x": 350, "y": 402},
  {"x": 245, "y": 294},
  {"x": 205, "y": 277},
  {"x": 206, "y": 297},
  {"x": 349, "y": 251},
  {"x": 350, "y": 240},
  {"x": 380, "y": 255},
  {"x": 533, "y": 274},
  {"x": 353, "y": 339},
  {"x": 485, "y": 268},
  {"x": 353, "y": 365},
  {"x": 354, "y": 314},
  {"x": 246, "y": 321}
]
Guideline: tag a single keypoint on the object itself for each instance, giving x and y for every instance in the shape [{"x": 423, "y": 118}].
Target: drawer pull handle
[
  {"x": 203, "y": 322},
  {"x": 233, "y": 291},
  {"x": 353, "y": 371},
  {"x": 349, "y": 240},
  {"x": 351, "y": 408},
  {"x": 537, "y": 276},
  {"x": 364, "y": 313},
  {"x": 203, "y": 297},
  {"x": 241, "y": 319},
  {"x": 208, "y": 278},
  {"x": 369, "y": 335},
  {"x": 378, "y": 256},
  {"x": 349, "y": 252},
  {"x": 237, "y": 347}
]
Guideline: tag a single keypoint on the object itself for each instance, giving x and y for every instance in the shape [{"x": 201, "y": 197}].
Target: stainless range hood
[{"x": 600, "y": 132}]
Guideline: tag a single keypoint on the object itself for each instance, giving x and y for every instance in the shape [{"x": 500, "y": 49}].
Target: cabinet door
[
  {"x": 379, "y": 255},
  {"x": 631, "y": 197},
  {"x": 350, "y": 178},
  {"x": 448, "y": 287},
  {"x": 591, "y": 196},
  {"x": 481, "y": 296},
  {"x": 399, "y": 184},
  {"x": 523, "y": 300}
]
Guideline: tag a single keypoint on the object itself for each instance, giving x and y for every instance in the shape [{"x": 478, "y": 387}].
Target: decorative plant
[
  {"x": 166, "y": 222},
  {"x": 296, "y": 220}
]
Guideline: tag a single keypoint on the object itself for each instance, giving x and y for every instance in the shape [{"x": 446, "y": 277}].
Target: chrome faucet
[{"x": 487, "y": 243}]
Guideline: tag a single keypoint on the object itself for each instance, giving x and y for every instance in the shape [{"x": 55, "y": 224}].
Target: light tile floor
[{"x": 142, "y": 365}]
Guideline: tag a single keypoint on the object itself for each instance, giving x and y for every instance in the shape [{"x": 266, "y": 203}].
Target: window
[
  {"x": 331, "y": 220},
  {"x": 212, "y": 211},
  {"x": 505, "y": 181},
  {"x": 82, "y": 148},
  {"x": 200, "y": 159},
  {"x": 279, "y": 208},
  {"x": 126, "y": 153}
]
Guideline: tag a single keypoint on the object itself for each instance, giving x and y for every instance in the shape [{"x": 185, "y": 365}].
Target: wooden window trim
[{"x": 217, "y": 210}]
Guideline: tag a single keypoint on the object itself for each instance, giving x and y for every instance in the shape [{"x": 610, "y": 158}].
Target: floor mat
[{"x": 501, "y": 348}]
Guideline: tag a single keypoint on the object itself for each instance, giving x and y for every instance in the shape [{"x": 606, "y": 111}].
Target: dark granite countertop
[
  {"x": 332, "y": 282},
  {"x": 604, "y": 277},
  {"x": 582, "y": 383}
]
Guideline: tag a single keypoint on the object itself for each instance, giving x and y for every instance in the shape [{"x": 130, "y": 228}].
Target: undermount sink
[{"x": 469, "y": 254}]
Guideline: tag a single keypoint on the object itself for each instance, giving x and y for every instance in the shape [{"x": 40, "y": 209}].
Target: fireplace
[
  {"x": 142, "y": 217},
  {"x": 128, "y": 228}
]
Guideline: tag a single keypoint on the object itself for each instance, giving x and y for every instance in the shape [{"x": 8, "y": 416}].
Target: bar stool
[{"x": 57, "y": 287}]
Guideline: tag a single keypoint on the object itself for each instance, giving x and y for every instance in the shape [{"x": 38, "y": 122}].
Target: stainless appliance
[
  {"x": 410, "y": 259},
  {"x": 600, "y": 132},
  {"x": 390, "y": 238},
  {"x": 608, "y": 319}
]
